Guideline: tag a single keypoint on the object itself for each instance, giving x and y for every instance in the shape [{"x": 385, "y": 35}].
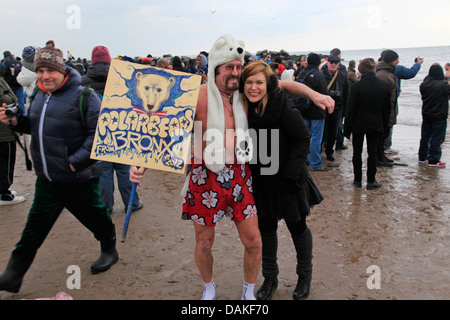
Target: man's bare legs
[{"x": 251, "y": 239}]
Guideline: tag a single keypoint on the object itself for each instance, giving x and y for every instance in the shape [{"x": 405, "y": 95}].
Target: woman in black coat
[
  {"x": 367, "y": 114},
  {"x": 289, "y": 192}
]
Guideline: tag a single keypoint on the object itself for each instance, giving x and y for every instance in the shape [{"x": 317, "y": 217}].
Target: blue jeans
[
  {"x": 316, "y": 130},
  {"x": 20, "y": 95},
  {"x": 432, "y": 136},
  {"x": 123, "y": 182}
]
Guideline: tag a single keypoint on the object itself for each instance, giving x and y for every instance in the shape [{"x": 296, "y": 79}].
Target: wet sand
[{"x": 402, "y": 228}]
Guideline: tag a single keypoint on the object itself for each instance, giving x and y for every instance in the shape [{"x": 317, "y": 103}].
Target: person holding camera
[
  {"x": 66, "y": 176},
  {"x": 7, "y": 147},
  {"x": 337, "y": 85}
]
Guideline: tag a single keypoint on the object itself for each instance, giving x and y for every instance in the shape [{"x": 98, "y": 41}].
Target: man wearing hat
[
  {"x": 66, "y": 176},
  {"x": 95, "y": 78},
  {"x": 12, "y": 70},
  {"x": 385, "y": 70},
  {"x": 314, "y": 116},
  {"x": 220, "y": 109},
  {"x": 27, "y": 77},
  {"x": 337, "y": 86},
  {"x": 366, "y": 116}
]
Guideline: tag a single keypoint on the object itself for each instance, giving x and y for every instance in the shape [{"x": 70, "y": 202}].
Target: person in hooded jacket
[
  {"x": 66, "y": 176},
  {"x": 95, "y": 78},
  {"x": 435, "y": 93}
]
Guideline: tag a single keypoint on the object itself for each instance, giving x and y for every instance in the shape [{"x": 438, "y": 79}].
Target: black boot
[
  {"x": 108, "y": 255},
  {"x": 267, "y": 289},
  {"x": 11, "y": 278},
  {"x": 303, "y": 287},
  {"x": 303, "y": 245},
  {"x": 269, "y": 265}
]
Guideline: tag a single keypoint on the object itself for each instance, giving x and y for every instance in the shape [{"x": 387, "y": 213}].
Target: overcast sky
[{"x": 137, "y": 28}]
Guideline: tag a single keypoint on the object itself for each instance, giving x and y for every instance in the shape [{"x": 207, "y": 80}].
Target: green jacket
[{"x": 6, "y": 96}]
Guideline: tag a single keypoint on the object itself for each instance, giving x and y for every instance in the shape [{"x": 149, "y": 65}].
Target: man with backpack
[
  {"x": 66, "y": 176},
  {"x": 12, "y": 70},
  {"x": 314, "y": 116}
]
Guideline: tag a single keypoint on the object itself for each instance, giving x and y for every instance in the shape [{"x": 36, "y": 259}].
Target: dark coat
[
  {"x": 435, "y": 94},
  {"x": 369, "y": 106},
  {"x": 386, "y": 72},
  {"x": 315, "y": 81},
  {"x": 59, "y": 137},
  {"x": 290, "y": 192},
  {"x": 96, "y": 76}
]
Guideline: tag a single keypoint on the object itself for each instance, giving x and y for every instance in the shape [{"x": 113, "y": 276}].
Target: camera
[
  {"x": 417, "y": 59},
  {"x": 12, "y": 110},
  {"x": 335, "y": 93}
]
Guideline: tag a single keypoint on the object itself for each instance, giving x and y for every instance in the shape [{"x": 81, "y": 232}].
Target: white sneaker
[{"x": 16, "y": 200}]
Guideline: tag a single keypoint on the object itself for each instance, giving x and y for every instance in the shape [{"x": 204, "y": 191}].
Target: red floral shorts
[{"x": 211, "y": 196}]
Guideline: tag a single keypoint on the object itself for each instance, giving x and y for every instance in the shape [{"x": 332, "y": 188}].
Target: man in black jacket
[
  {"x": 314, "y": 116},
  {"x": 66, "y": 176},
  {"x": 337, "y": 86},
  {"x": 367, "y": 114},
  {"x": 435, "y": 93}
]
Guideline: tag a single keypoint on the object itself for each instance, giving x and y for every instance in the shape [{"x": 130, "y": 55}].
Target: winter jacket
[
  {"x": 59, "y": 138},
  {"x": 386, "y": 72},
  {"x": 369, "y": 106},
  {"x": 435, "y": 94},
  {"x": 27, "y": 79},
  {"x": 6, "y": 96},
  {"x": 315, "y": 81},
  {"x": 290, "y": 192},
  {"x": 96, "y": 76},
  {"x": 339, "y": 89},
  {"x": 402, "y": 72}
]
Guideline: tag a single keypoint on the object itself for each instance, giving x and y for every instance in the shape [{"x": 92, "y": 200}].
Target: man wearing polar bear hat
[{"x": 219, "y": 179}]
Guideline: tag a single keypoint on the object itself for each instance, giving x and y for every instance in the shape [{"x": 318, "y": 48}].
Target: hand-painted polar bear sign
[{"x": 146, "y": 117}]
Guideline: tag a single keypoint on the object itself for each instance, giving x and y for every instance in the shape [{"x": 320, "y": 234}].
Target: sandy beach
[{"x": 402, "y": 229}]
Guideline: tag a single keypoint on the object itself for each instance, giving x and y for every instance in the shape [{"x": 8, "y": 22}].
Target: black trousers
[
  {"x": 7, "y": 163},
  {"x": 331, "y": 130},
  {"x": 301, "y": 237},
  {"x": 372, "y": 140}
]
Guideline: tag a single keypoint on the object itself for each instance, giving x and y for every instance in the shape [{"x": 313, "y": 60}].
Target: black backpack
[
  {"x": 12, "y": 70},
  {"x": 302, "y": 103}
]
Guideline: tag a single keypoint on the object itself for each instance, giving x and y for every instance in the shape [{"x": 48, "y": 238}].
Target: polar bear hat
[{"x": 225, "y": 49}]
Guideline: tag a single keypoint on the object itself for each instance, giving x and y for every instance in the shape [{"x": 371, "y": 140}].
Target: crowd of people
[{"x": 308, "y": 107}]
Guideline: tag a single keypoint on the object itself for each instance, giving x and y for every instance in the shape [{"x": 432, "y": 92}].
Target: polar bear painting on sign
[
  {"x": 153, "y": 90},
  {"x": 146, "y": 117}
]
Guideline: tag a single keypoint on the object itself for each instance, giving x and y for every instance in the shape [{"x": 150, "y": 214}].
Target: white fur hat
[{"x": 225, "y": 49}]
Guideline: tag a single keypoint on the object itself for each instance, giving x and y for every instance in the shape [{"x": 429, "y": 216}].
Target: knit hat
[
  {"x": 225, "y": 49},
  {"x": 100, "y": 54},
  {"x": 436, "y": 72},
  {"x": 367, "y": 65},
  {"x": 7, "y": 54},
  {"x": 389, "y": 56},
  {"x": 28, "y": 54},
  {"x": 50, "y": 58},
  {"x": 314, "y": 59}
]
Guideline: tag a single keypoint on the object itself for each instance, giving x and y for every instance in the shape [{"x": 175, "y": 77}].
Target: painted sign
[{"x": 146, "y": 117}]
